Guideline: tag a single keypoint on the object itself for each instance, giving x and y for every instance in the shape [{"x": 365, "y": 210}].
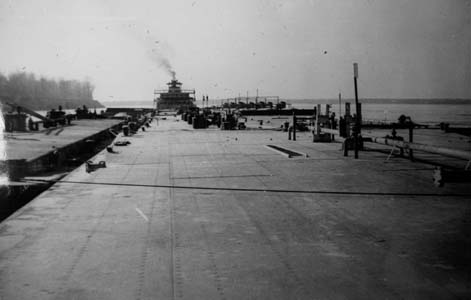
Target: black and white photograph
[{"x": 249, "y": 149}]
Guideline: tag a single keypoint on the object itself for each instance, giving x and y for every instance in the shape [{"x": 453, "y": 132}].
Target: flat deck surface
[
  {"x": 29, "y": 145},
  {"x": 210, "y": 214},
  {"x": 435, "y": 137}
]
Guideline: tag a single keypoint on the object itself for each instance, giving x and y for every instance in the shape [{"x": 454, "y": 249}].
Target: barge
[{"x": 215, "y": 214}]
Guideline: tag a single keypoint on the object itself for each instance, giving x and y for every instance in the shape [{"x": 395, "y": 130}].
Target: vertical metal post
[
  {"x": 345, "y": 146},
  {"x": 294, "y": 125},
  {"x": 340, "y": 105},
  {"x": 411, "y": 140},
  {"x": 359, "y": 114},
  {"x": 357, "y": 123}
]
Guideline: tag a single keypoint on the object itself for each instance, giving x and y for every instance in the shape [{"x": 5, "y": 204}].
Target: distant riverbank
[
  {"x": 48, "y": 104},
  {"x": 387, "y": 101},
  {"x": 431, "y": 114},
  {"x": 425, "y": 111}
]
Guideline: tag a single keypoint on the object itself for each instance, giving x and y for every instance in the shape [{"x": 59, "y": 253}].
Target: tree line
[{"x": 43, "y": 93}]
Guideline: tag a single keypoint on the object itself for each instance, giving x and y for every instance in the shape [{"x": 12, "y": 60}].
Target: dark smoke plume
[
  {"x": 165, "y": 63},
  {"x": 154, "y": 47}
]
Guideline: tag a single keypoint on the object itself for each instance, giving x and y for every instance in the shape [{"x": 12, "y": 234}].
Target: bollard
[
  {"x": 90, "y": 166},
  {"x": 126, "y": 130},
  {"x": 289, "y": 133}
]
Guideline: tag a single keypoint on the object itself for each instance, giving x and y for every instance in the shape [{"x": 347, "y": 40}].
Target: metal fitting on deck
[{"x": 90, "y": 166}]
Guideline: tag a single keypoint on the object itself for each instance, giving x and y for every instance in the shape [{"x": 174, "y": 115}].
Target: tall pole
[
  {"x": 340, "y": 104},
  {"x": 357, "y": 119}
]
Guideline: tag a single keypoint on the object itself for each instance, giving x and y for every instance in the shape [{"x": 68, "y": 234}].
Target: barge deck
[
  {"x": 210, "y": 214},
  {"x": 30, "y": 145},
  {"x": 49, "y": 153}
]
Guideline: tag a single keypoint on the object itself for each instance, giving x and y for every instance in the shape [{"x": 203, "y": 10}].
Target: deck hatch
[{"x": 286, "y": 152}]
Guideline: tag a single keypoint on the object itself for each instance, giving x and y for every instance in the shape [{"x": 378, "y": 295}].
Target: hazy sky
[{"x": 294, "y": 49}]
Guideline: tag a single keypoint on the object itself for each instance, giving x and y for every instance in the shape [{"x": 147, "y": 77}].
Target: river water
[
  {"x": 430, "y": 114},
  {"x": 455, "y": 114}
]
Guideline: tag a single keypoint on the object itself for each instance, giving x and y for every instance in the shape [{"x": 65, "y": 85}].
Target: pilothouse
[{"x": 175, "y": 98}]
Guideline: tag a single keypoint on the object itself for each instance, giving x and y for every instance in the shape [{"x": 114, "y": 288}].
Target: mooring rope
[{"x": 359, "y": 193}]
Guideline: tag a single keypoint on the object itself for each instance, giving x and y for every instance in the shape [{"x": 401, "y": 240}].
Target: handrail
[{"x": 461, "y": 154}]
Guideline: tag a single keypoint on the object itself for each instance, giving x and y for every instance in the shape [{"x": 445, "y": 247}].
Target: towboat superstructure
[{"x": 175, "y": 98}]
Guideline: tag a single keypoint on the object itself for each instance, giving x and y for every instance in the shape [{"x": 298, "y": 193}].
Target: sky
[{"x": 292, "y": 49}]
